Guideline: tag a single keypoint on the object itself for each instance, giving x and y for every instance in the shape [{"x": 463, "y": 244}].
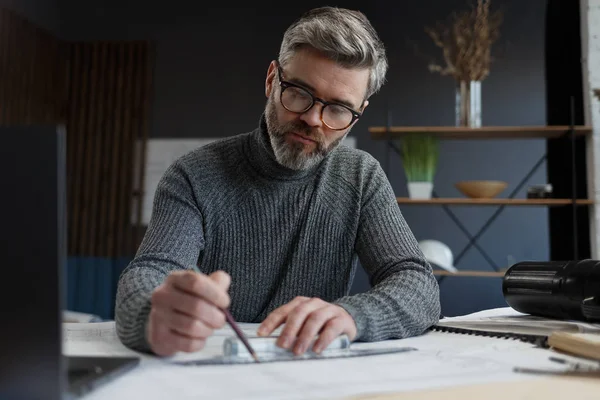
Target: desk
[
  {"x": 549, "y": 388},
  {"x": 449, "y": 364}
]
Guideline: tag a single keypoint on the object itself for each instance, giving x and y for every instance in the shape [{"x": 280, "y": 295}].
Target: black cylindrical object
[{"x": 555, "y": 289}]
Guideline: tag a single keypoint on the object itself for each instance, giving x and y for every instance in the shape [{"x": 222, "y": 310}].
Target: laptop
[{"x": 33, "y": 245}]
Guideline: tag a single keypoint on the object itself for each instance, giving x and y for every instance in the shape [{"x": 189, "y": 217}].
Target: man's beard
[{"x": 292, "y": 155}]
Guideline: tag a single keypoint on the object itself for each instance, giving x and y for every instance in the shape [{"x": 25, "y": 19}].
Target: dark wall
[
  {"x": 210, "y": 72},
  {"x": 569, "y": 228},
  {"x": 44, "y": 13}
]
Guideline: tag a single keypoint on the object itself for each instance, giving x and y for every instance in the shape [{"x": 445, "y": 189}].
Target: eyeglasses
[{"x": 297, "y": 99}]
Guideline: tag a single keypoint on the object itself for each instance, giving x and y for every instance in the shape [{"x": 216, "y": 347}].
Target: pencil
[
  {"x": 240, "y": 334},
  {"x": 235, "y": 326}
]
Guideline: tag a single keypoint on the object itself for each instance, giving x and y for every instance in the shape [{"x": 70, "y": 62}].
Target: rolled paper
[{"x": 233, "y": 346}]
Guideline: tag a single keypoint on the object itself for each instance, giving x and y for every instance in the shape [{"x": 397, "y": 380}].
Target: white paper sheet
[
  {"x": 100, "y": 338},
  {"x": 442, "y": 359},
  {"x": 492, "y": 312},
  {"x": 509, "y": 320},
  {"x": 93, "y": 339},
  {"x": 214, "y": 344}
]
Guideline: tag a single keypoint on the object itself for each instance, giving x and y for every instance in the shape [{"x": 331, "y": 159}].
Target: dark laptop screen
[{"x": 33, "y": 251}]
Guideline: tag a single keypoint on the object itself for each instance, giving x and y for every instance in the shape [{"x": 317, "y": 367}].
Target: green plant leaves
[{"x": 420, "y": 153}]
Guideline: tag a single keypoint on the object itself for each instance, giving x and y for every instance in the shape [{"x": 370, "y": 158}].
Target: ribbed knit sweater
[{"x": 282, "y": 233}]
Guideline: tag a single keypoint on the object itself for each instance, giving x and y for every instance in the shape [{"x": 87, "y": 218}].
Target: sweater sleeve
[
  {"x": 404, "y": 298},
  {"x": 173, "y": 240}
]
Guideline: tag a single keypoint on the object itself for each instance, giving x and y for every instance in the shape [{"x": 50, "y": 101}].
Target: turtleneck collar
[{"x": 262, "y": 156}]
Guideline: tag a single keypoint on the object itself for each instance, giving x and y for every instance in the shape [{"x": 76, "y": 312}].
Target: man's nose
[{"x": 312, "y": 117}]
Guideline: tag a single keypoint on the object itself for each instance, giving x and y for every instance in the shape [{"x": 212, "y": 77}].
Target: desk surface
[
  {"x": 458, "y": 365},
  {"x": 548, "y": 388}
]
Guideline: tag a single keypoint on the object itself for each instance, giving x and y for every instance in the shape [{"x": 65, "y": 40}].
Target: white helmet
[{"x": 438, "y": 253}]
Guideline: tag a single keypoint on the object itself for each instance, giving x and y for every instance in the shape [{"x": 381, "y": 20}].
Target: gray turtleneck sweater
[{"x": 281, "y": 233}]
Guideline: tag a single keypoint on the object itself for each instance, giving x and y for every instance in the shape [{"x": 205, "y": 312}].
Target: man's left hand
[{"x": 304, "y": 319}]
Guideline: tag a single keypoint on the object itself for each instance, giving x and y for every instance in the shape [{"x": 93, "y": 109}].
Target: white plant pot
[{"x": 420, "y": 190}]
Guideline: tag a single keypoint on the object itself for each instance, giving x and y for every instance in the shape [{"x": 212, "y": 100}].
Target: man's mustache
[{"x": 304, "y": 129}]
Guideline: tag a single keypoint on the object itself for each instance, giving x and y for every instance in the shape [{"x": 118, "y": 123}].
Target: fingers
[
  {"x": 183, "y": 324},
  {"x": 310, "y": 319},
  {"x": 278, "y": 316},
  {"x": 331, "y": 330},
  {"x": 201, "y": 285},
  {"x": 313, "y": 324},
  {"x": 171, "y": 299},
  {"x": 341, "y": 323},
  {"x": 165, "y": 341},
  {"x": 296, "y": 319},
  {"x": 222, "y": 279},
  {"x": 176, "y": 343},
  {"x": 185, "y": 310}
]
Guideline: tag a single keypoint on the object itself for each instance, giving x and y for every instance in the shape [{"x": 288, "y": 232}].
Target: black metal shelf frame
[{"x": 568, "y": 135}]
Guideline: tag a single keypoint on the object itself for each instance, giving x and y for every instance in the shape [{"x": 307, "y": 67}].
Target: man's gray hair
[{"x": 345, "y": 36}]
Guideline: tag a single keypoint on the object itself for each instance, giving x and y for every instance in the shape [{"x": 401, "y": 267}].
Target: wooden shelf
[
  {"x": 486, "y": 132},
  {"x": 493, "y": 202},
  {"x": 485, "y": 274}
]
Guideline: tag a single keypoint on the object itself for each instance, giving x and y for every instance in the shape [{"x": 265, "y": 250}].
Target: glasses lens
[
  {"x": 337, "y": 117},
  {"x": 296, "y": 99}
]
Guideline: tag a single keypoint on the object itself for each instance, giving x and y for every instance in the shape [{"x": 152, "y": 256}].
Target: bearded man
[{"x": 276, "y": 218}]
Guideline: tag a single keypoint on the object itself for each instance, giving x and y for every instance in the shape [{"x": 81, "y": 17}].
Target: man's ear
[
  {"x": 362, "y": 109},
  {"x": 365, "y": 104},
  {"x": 270, "y": 78}
]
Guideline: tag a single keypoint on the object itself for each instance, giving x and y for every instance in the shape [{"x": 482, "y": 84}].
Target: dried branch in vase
[{"x": 466, "y": 42}]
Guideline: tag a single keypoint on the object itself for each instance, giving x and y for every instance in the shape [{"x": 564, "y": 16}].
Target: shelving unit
[
  {"x": 570, "y": 133},
  {"x": 494, "y": 202},
  {"x": 481, "y": 274},
  {"x": 486, "y": 132}
]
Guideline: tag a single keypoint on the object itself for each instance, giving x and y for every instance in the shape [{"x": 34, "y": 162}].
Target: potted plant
[
  {"x": 466, "y": 44},
  {"x": 419, "y": 158}
]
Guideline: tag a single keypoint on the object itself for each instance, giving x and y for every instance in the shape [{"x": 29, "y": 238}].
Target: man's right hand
[{"x": 186, "y": 309}]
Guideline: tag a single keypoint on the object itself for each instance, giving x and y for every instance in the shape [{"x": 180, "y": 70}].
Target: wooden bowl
[{"x": 481, "y": 189}]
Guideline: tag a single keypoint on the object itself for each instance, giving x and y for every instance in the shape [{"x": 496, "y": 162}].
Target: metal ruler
[{"x": 284, "y": 357}]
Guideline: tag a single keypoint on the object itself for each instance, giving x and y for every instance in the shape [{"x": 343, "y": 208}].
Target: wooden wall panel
[
  {"x": 32, "y": 73},
  {"x": 109, "y": 88},
  {"x": 101, "y": 91}
]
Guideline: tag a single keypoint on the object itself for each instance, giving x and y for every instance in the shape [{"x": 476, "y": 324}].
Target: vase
[
  {"x": 420, "y": 190},
  {"x": 468, "y": 104}
]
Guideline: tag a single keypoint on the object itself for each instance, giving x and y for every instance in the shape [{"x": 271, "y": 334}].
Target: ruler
[{"x": 284, "y": 357}]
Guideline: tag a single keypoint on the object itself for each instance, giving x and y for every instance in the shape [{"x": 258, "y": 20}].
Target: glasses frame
[{"x": 285, "y": 84}]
